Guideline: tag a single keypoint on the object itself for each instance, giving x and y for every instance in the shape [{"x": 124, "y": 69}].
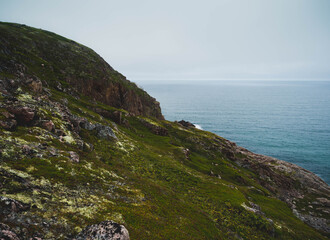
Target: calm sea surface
[{"x": 286, "y": 120}]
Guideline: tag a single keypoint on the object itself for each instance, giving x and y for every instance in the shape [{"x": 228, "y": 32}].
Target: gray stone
[
  {"x": 102, "y": 131},
  {"x": 107, "y": 230}
]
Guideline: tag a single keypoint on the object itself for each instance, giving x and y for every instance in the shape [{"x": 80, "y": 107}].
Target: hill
[{"x": 80, "y": 144}]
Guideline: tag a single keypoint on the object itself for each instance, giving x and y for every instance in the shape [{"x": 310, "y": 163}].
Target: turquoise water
[{"x": 286, "y": 120}]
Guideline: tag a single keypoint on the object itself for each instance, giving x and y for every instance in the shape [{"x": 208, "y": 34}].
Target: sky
[{"x": 192, "y": 40}]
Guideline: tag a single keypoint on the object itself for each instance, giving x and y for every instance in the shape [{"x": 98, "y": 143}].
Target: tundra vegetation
[{"x": 80, "y": 144}]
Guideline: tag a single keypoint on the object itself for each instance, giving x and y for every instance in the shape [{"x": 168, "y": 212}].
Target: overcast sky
[{"x": 192, "y": 40}]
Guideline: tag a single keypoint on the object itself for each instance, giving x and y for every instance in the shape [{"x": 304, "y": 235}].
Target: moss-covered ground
[{"x": 142, "y": 180}]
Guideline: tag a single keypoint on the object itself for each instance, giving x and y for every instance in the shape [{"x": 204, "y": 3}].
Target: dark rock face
[
  {"x": 107, "y": 230},
  {"x": 186, "y": 123}
]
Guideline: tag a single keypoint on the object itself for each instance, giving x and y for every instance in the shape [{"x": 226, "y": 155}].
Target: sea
[{"x": 288, "y": 120}]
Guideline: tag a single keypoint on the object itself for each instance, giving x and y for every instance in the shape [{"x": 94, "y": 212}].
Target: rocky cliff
[
  {"x": 39, "y": 57},
  {"x": 85, "y": 154}
]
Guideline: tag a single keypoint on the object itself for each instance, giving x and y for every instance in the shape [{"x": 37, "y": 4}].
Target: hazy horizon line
[{"x": 235, "y": 79}]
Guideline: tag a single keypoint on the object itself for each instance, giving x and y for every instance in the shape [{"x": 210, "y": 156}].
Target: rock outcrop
[
  {"x": 107, "y": 230},
  {"x": 24, "y": 115},
  {"x": 289, "y": 182},
  {"x": 9, "y": 206},
  {"x": 186, "y": 123},
  {"x": 6, "y": 233}
]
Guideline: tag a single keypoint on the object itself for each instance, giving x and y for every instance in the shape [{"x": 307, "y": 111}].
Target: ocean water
[{"x": 286, "y": 120}]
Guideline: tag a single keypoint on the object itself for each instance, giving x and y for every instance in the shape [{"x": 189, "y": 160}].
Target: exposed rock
[
  {"x": 58, "y": 86},
  {"x": 102, "y": 131},
  {"x": 48, "y": 125},
  {"x": 107, "y": 230},
  {"x": 289, "y": 182},
  {"x": 8, "y": 205},
  {"x": 7, "y": 114},
  {"x": 27, "y": 150},
  {"x": 35, "y": 85},
  {"x": 9, "y": 124},
  {"x": 255, "y": 208},
  {"x": 6, "y": 233},
  {"x": 186, "y": 123},
  {"x": 23, "y": 114},
  {"x": 74, "y": 157},
  {"x": 186, "y": 152},
  {"x": 316, "y": 222},
  {"x": 8, "y": 86},
  {"x": 322, "y": 201}
]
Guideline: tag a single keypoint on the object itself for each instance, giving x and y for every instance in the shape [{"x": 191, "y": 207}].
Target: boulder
[
  {"x": 186, "y": 123},
  {"x": 24, "y": 115},
  {"x": 107, "y": 230},
  {"x": 102, "y": 131}
]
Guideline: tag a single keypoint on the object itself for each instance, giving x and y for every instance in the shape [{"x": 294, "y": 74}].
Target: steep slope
[
  {"x": 32, "y": 54},
  {"x": 68, "y": 161}
]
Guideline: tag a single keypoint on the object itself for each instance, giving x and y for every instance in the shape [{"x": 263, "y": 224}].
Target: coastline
[{"x": 291, "y": 129}]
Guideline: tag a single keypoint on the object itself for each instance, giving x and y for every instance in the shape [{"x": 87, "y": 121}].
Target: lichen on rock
[{"x": 107, "y": 230}]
